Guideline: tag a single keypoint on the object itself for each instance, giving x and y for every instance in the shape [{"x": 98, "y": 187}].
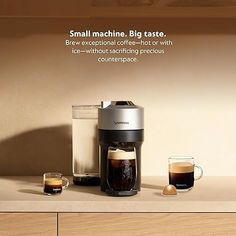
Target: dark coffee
[
  {"x": 52, "y": 186},
  {"x": 122, "y": 174},
  {"x": 181, "y": 175},
  {"x": 121, "y": 171}
]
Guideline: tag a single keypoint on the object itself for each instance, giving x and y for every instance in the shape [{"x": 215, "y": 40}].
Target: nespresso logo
[{"x": 121, "y": 122}]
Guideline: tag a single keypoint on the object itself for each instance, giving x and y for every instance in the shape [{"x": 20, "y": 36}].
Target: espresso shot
[
  {"x": 181, "y": 175},
  {"x": 52, "y": 186}
]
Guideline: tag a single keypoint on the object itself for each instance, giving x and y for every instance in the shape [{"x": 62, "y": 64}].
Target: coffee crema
[
  {"x": 53, "y": 181},
  {"x": 119, "y": 154},
  {"x": 181, "y": 167}
]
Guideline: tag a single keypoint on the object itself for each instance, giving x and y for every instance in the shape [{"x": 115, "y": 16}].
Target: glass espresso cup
[
  {"x": 121, "y": 168},
  {"x": 181, "y": 172},
  {"x": 53, "y": 183}
]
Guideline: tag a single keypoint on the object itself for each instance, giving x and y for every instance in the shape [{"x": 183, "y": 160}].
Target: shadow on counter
[
  {"x": 152, "y": 186},
  {"x": 31, "y": 191},
  {"x": 37, "y": 151},
  {"x": 95, "y": 190}
]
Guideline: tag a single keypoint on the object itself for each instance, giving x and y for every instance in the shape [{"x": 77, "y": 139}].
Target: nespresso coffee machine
[{"x": 120, "y": 134}]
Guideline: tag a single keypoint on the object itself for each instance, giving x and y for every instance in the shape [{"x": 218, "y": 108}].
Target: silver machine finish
[{"x": 120, "y": 115}]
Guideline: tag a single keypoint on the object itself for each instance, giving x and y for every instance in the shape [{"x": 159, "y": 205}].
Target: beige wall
[{"x": 188, "y": 94}]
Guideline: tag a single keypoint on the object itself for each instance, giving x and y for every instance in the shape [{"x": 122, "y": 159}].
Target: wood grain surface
[
  {"x": 28, "y": 224},
  {"x": 141, "y": 224}
]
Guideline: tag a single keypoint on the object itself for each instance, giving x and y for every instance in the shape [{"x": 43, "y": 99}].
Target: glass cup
[
  {"x": 53, "y": 183},
  {"x": 85, "y": 161},
  {"x": 181, "y": 172},
  {"x": 121, "y": 169}
]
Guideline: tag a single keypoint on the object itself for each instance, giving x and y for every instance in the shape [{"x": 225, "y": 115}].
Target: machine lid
[
  {"x": 117, "y": 104},
  {"x": 120, "y": 115}
]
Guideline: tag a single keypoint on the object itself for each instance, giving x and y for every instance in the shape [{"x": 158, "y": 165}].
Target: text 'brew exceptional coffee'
[
  {"x": 121, "y": 169},
  {"x": 120, "y": 126}
]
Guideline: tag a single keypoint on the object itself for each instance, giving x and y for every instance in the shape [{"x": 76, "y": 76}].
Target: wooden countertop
[{"x": 210, "y": 194}]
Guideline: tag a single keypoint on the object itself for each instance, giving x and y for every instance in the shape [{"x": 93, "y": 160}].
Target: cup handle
[
  {"x": 201, "y": 173},
  {"x": 66, "y": 181}
]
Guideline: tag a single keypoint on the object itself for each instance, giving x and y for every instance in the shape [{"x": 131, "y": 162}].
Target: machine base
[
  {"x": 86, "y": 180},
  {"x": 121, "y": 193}
]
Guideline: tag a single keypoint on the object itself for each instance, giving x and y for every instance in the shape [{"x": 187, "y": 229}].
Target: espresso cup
[
  {"x": 54, "y": 183},
  {"x": 181, "y": 172}
]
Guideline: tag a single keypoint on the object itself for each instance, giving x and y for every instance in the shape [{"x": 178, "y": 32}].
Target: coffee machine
[{"x": 120, "y": 134}]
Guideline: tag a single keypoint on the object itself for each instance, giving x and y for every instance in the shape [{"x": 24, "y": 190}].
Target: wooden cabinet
[
  {"x": 28, "y": 224},
  {"x": 117, "y": 224},
  {"x": 141, "y": 224}
]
